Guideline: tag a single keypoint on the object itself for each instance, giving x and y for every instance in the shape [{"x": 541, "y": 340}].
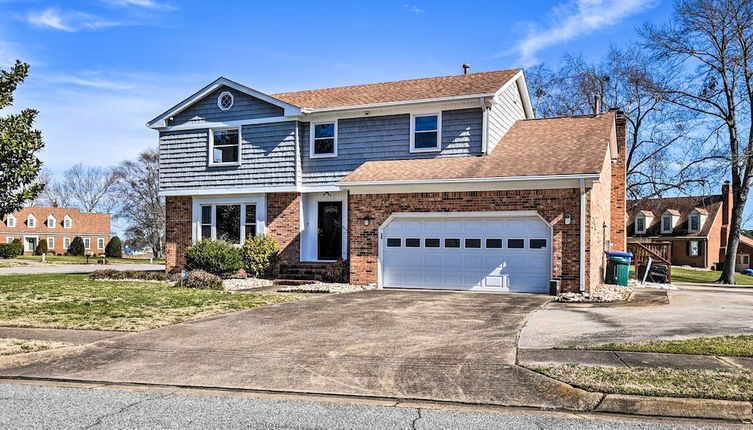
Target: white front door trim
[{"x": 310, "y": 222}]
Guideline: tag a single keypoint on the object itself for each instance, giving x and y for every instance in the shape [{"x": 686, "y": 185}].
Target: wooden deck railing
[{"x": 660, "y": 253}]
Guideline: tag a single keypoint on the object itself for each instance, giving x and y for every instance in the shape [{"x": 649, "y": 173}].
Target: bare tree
[
  {"x": 137, "y": 188},
  {"x": 88, "y": 188},
  {"x": 624, "y": 80},
  {"x": 708, "y": 46}
]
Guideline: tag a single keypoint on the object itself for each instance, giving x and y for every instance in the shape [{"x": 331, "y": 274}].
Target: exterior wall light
[
  {"x": 568, "y": 219},
  {"x": 367, "y": 220}
]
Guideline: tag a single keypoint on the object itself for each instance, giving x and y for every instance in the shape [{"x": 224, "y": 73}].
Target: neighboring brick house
[
  {"x": 696, "y": 226},
  {"x": 58, "y": 226},
  {"x": 445, "y": 183}
]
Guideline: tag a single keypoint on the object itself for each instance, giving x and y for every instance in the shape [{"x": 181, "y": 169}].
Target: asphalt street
[{"x": 25, "y": 406}]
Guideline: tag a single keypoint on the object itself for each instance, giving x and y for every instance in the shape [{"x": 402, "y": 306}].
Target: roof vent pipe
[
  {"x": 466, "y": 67},
  {"x": 597, "y": 104}
]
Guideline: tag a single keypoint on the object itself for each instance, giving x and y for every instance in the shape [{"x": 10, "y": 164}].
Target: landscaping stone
[
  {"x": 234, "y": 284},
  {"x": 325, "y": 288},
  {"x": 603, "y": 293},
  {"x": 634, "y": 283}
]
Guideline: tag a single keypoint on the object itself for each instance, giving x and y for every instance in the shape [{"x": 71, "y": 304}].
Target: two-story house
[
  {"x": 445, "y": 183},
  {"x": 696, "y": 226},
  {"x": 58, "y": 227}
]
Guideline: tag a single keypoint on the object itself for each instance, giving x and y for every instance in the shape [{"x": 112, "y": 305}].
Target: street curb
[{"x": 677, "y": 407}]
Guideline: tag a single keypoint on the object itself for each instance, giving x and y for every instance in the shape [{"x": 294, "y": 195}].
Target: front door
[
  {"x": 330, "y": 233},
  {"x": 31, "y": 244}
]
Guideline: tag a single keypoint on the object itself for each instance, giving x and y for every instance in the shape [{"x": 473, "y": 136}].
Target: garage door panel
[{"x": 467, "y": 268}]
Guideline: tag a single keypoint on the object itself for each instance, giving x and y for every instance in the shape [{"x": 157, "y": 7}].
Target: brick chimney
[
  {"x": 618, "y": 221},
  {"x": 727, "y": 200},
  {"x": 54, "y": 204}
]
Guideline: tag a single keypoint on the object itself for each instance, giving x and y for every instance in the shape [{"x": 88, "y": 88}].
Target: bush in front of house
[
  {"x": 41, "y": 248},
  {"x": 7, "y": 250},
  {"x": 202, "y": 280},
  {"x": 114, "y": 248},
  {"x": 17, "y": 246},
  {"x": 214, "y": 256},
  {"x": 338, "y": 272},
  {"x": 77, "y": 246},
  {"x": 260, "y": 255}
]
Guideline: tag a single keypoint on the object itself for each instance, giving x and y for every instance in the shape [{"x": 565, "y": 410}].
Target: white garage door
[{"x": 510, "y": 253}]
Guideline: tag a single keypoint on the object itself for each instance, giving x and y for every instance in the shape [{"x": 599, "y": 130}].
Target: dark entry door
[{"x": 330, "y": 232}]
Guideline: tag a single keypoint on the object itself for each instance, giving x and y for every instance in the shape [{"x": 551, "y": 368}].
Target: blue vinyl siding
[{"x": 244, "y": 107}]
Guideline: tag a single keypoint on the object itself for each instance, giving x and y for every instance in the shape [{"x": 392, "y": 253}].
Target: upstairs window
[
  {"x": 324, "y": 140},
  {"x": 11, "y": 221},
  {"x": 51, "y": 221},
  {"x": 640, "y": 225},
  {"x": 225, "y": 146},
  {"x": 666, "y": 224},
  {"x": 425, "y": 135},
  {"x": 695, "y": 223},
  {"x": 225, "y": 100},
  {"x": 67, "y": 222},
  {"x": 31, "y": 222}
]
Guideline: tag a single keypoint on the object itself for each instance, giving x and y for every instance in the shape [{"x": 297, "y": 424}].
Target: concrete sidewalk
[
  {"x": 538, "y": 357},
  {"x": 78, "y": 268}
]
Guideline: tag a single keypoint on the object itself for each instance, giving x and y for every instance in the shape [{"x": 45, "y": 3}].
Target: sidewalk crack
[
  {"x": 620, "y": 358},
  {"x": 415, "y": 421},
  {"x": 124, "y": 408}
]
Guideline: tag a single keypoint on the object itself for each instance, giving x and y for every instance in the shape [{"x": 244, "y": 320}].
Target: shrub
[
  {"x": 41, "y": 247},
  {"x": 214, "y": 256},
  {"x": 18, "y": 247},
  {"x": 338, "y": 271},
  {"x": 114, "y": 248},
  {"x": 202, "y": 280},
  {"x": 260, "y": 255},
  {"x": 77, "y": 246},
  {"x": 7, "y": 250}
]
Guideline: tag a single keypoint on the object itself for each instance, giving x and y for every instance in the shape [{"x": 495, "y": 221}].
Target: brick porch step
[{"x": 303, "y": 271}]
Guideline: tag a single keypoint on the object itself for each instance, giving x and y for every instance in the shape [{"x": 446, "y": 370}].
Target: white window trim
[
  {"x": 66, "y": 243},
  {"x": 312, "y": 138},
  {"x": 50, "y": 243},
  {"x": 11, "y": 221},
  {"x": 232, "y": 100},
  {"x": 258, "y": 200},
  {"x": 643, "y": 231},
  {"x": 87, "y": 243},
  {"x": 9, "y": 239},
  {"x": 690, "y": 223},
  {"x": 24, "y": 243},
  {"x": 67, "y": 222},
  {"x": 663, "y": 230},
  {"x": 697, "y": 249},
  {"x": 413, "y": 117},
  {"x": 53, "y": 223},
  {"x": 101, "y": 240},
  {"x": 211, "y": 146},
  {"x": 29, "y": 219}
]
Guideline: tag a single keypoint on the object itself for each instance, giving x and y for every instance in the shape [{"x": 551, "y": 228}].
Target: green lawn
[
  {"x": 699, "y": 276},
  {"x": 72, "y": 301},
  {"x": 72, "y": 259},
  {"x": 661, "y": 382},
  {"x": 738, "y": 346}
]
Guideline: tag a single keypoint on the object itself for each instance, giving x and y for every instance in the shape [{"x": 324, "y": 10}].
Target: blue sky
[{"x": 102, "y": 68}]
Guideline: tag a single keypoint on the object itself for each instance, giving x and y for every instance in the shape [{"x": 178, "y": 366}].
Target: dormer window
[
  {"x": 67, "y": 222},
  {"x": 640, "y": 224},
  {"x": 666, "y": 224},
  {"x": 11, "y": 221},
  {"x": 324, "y": 140},
  {"x": 51, "y": 221},
  {"x": 225, "y": 100},
  {"x": 694, "y": 223},
  {"x": 224, "y": 147},
  {"x": 31, "y": 221},
  {"x": 425, "y": 133}
]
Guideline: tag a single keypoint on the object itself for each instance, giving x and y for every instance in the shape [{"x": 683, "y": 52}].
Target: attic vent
[{"x": 225, "y": 100}]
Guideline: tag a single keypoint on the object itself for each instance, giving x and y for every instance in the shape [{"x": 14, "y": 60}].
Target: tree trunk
[{"x": 739, "y": 198}]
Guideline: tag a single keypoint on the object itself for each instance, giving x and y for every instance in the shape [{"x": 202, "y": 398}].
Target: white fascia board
[
  {"x": 226, "y": 124},
  {"x": 466, "y": 184},
  {"x": 470, "y": 97},
  {"x": 161, "y": 120},
  {"x": 525, "y": 96},
  {"x": 249, "y": 190}
]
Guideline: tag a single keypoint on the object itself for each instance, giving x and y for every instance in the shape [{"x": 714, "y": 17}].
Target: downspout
[
  {"x": 582, "y": 277},
  {"x": 484, "y": 126}
]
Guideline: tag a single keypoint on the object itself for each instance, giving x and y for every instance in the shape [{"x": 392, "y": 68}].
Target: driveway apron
[{"x": 444, "y": 346}]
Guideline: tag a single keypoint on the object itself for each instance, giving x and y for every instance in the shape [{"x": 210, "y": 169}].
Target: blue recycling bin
[{"x": 619, "y": 254}]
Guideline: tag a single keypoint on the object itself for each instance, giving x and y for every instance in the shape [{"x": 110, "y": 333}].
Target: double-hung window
[
  {"x": 425, "y": 133},
  {"x": 66, "y": 243},
  {"x": 67, "y": 222},
  {"x": 695, "y": 223},
  {"x": 31, "y": 222},
  {"x": 324, "y": 140},
  {"x": 229, "y": 222},
  {"x": 640, "y": 225},
  {"x": 11, "y": 221},
  {"x": 694, "y": 248},
  {"x": 225, "y": 147},
  {"x": 100, "y": 243},
  {"x": 51, "y": 243},
  {"x": 666, "y": 224},
  {"x": 87, "y": 243}
]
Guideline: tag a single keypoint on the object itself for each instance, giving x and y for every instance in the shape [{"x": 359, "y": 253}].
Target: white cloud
[
  {"x": 149, "y": 4},
  {"x": 68, "y": 21},
  {"x": 573, "y": 19},
  {"x": 413, "y": 8}
]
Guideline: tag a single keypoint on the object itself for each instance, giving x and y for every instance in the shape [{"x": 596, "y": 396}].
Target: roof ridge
[{"x": 516, "y": 70}]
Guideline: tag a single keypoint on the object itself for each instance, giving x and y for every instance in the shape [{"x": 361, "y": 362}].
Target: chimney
[
  {"x": 466, "y": 68},
  {"x": 617, "y": 230},
  {"x": 597, "y": 104},
  {"x": 54, "y": 204}
]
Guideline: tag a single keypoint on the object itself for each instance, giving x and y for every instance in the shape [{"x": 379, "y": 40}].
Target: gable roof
[
  {"x": 83, "y": 222},
  {"x": 160, "y": 120},
  {"x": 710, "y": 204},
  {"x": 535, "y": 147},
  {"x": 481, "y": 84}
]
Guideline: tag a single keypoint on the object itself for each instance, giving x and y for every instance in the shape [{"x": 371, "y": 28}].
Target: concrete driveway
[
  {"x": 691, "y": 311},
  {"x": 396, "y": 344}
]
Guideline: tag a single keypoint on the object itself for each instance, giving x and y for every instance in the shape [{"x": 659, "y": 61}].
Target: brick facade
[
  {"x": 618, "y": 224},
  {"x": 552, "y": 205},
  {"x": 177, "y": 231},
  {"x": 283, "y": 224}
]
